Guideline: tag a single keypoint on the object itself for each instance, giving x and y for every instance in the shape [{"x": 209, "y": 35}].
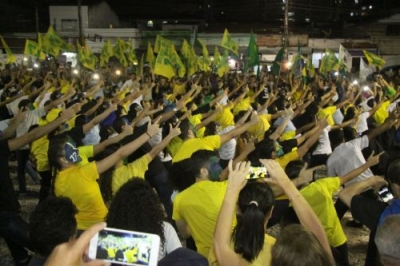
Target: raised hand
[
  {"x": 154, "y": 128},
  {"x": 174, "y": 131},
  {"x": 237, "y": 176}
]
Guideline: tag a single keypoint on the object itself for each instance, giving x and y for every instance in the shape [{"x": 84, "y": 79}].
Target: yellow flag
[
  {"x": 40, "y": 54},
  {"x": 217, "y": 56},
  {"x": 373, "y": 59},
  {"x": 206, "y": 57},
  {"x": 229, "y": 44},
  {"x": 106, "y": 53},
  {"x": 150, "y": 55},
  {"x": 10, "y": 56},
  {"x": 131, "y": 56},
  {"x": 223, "y": 66},
  {"x": 190, "y": 57},
  {"x": 30, "y": 48},
  {"x": 164, "y": 65},
  {"x": 119, "y": 52}
]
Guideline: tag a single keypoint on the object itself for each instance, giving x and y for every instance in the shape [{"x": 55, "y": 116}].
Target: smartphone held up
[{"x": 125, "y": 247}]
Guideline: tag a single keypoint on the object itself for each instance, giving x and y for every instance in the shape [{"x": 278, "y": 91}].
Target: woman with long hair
[
  {"x": 250, "y": 244},
  {"x": 137, "y": 207}
]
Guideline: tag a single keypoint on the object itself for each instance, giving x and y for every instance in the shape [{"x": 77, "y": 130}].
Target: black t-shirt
[{"x": 8, "y": 197}]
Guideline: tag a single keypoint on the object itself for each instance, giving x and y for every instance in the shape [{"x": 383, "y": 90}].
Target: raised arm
[
  {"x": 88, "y": 126},
  {"x": 279, "y": 130},
  {"x": 15, "y": 144},
  {"x": 222, "y": 235},
  {"x": 239, "y": 130},
  {"x": 173, "y": 132},
  {"x": 126, "y": 150},
  {"x": 304, "y": 212}
]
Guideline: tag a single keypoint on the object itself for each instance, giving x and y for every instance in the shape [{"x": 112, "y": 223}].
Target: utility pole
[
  {"x": 81, "y": 41},
  {"x": 37, "y": 20},
  {"x": 286, "y": 29}
]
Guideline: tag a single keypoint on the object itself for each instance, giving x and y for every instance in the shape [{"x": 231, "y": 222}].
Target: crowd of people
[{"x": 172, "y": 158}]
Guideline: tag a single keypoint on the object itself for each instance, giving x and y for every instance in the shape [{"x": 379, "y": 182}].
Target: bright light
[
  {"x": 150, "y": 24},
  {"x": 355, "y": 82},
  {"x": 75, "y": 71},
  {"x": 135, "y": 64},
  {"x": 25, "y": 59},
  {"x": 95, "y": 76},
  {"x": 365, "y": 88},
  {"x": 35, "y": 65},
  {"x": 289, "y": 64},
  {"x": 370, "y": 7},
  {"x": 336, "y": 73},
  {"x": 232, "y": 63},
  {"x": 118, "y": 72}
]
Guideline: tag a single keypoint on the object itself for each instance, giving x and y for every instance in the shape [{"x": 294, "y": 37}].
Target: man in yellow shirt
[
  {"x": 192, "y": 144},
  {"x": 196, "y": 207}
]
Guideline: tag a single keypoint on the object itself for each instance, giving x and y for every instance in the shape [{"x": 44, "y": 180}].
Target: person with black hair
[
  {"x": 249, "y": 244},
  {"x": 319, "y": 195},
  {"x": 136, "y": 207},
  {"x": 51, "y": 223},
  {"x": 372, "y": 212},
  {"x": 196, "y": 206},
  {"x": 12, "y": 228}
]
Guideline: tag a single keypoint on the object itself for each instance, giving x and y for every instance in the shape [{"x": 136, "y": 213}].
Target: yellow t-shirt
[
  {"x": 319, "y": 195},
  {"x": 243, "y": 105},
  {"x": 174, "y": 145},
  {"x": 65, "y": 86},
  {"x": 190, "y": 146},
  {"x": 79, "y": 183},
  {"x": 39, "y": 150},
  {"x": 263, "y": 259},
  {"x": 199, "y": 207},
  {"x": 382, "y": 113},
  {"x": 288, "y": 157},
  {"x": 124, "y": 173},
  {"x": 225, "y": 118},
  {"x": 327, "y": 112},
  {"x": 262, "y": 126},
  {"x": 53, "y": 114},
  {"x": 85, "y": 152},
  {"x": 194, "y": 121}
]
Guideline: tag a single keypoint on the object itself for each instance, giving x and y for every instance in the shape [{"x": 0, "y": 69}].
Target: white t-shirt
[
  {"x": 172, "y": 241},
  {"x": 13, "y": 106},
  {"x": 228, "y": 149},
  {"x": 324, "y": 145},
  {"x": 31, "y": 118},
  {"x": 362, "y": 122},
  {"x": 289, "y": 127},
  {"x": 338, "y": 117},
  {"x": 347, "y": 157}
]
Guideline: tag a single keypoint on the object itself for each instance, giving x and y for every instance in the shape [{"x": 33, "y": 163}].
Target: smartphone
[
  {"x": 384, "y": 194},
  {"x": 125, "y": 247},
  {"x": 257, "y": 172}
]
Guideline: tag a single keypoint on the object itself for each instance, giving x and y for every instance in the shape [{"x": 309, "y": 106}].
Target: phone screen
[
  {"x": 125, "y": 247},
  {"x": 257, "y": 172},
  {"x": 385, "y": 195}
]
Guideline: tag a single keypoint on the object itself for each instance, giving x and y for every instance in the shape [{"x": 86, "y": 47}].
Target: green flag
[
  {"x": 53, "y": 43},
  {"x": 276, "y": 65},
  {"x": 297, "y": 63},
  {"x": 10, "y": 56},
  {"x": 229, "y": 44},
  {"x": 252, "y": 53},
  {"x": 373, "y": 59},
  {"x": 161, "y": 41}
]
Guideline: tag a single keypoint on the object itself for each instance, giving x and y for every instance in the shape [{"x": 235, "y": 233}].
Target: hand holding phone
[
  {"x": 125, "y": 247},
  {"x": 257, "y": 172}
]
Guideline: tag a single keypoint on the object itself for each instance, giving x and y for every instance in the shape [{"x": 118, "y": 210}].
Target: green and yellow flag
[
  {"x": 90, "y": 59},
  {"x": 150, "y": 56},
  {"x": 205, "y": 66},
  {"x": 164, "y": 65},
  {"x": 119, "y": 52},
  {"x": 131, "y": 55},
  {"x": 189, "y": 57},
  {"x": 223, "y": 65},
  {"x": 310, "y": 67},
  {"x": 229, "y": 44},
  {"x": 139, "y": 68},
  {"x": 52, "y": 43},
  {"x": 106, "y": 53},
  {"x": 217, "y": 56},
  {"x": 329, "y": 62},
  {"x": 161, "y": 41},
  {"x": 373, "y": 59},
  {"x": 40, "y": 53},
  {"x": 10, "y": 56},
  {"x": 30, "y": 48}
]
